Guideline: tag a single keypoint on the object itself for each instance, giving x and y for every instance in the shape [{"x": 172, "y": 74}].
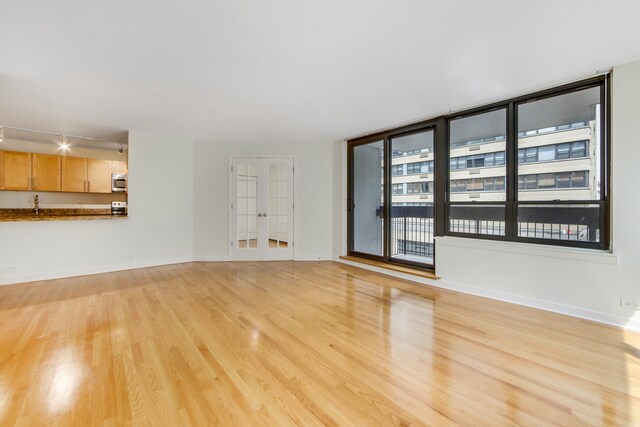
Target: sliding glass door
[
  {"x": 412, "y": 179},
  {"x": 391, "y": 197},
  {"x": 367, "y": 200}
]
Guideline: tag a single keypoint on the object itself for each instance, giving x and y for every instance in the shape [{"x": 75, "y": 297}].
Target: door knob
[
  {"x": 259, "y": 215},
  {"x": 265, "y": 214}
]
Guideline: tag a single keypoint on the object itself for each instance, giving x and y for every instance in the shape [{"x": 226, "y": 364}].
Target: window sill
[
  {"x": 517, "y": 248},
  {"x": 392, "y": 267}
]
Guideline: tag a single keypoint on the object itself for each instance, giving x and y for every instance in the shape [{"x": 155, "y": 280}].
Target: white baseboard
[
  {"x": 312, "y": 258},
  {"x": 208, "y": 258},
  {"x": 60, "y": 274},
  {"x": 554, "y": 307}
]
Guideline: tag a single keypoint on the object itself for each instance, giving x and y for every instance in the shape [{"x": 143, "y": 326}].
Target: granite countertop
[{"x": 12, "y": 215}]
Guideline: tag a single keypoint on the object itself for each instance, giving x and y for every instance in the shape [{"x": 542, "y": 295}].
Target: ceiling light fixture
[
  {"x": 63, "y": 143},
  {"x": 120, "y": 149}
]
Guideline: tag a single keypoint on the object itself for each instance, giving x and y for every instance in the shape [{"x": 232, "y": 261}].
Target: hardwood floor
[{"x": 305, "y": 343}]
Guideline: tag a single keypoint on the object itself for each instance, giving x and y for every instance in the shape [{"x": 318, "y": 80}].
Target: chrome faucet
[{"x": 37, "y": 202}]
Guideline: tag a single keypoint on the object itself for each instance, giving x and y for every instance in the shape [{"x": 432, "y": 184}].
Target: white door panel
[{"x": 261, "y": 208}]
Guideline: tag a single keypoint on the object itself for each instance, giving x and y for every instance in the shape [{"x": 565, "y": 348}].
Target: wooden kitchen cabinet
[
  {"x": 15, "y": 170},
  {"x": 74, "y": 174},
  {"x": 98, "y": 176},
  {"x": 119, "y": 167},
  {"x": 46, "y": 172}
]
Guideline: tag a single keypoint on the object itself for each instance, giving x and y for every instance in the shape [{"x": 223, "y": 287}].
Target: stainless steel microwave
[{"x": 118, "y": 182}]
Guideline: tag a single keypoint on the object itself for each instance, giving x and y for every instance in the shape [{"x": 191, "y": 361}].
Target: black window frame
[
  {"x": 442, "y": 168},
  {"x": 511, "y": 204}
]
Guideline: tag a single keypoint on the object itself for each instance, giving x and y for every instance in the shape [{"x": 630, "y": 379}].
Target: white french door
[{"x": 261, "y": 208}]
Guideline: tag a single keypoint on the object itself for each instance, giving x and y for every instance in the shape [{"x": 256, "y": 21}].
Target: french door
[{"x": 261, "y": 208}]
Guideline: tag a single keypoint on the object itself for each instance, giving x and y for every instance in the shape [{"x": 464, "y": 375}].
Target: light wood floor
[{"x": 306, "y": 343}]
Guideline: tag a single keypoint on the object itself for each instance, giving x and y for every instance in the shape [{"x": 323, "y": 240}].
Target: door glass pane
[
  {"x": 278, "y": 205},
  {"x": 412, "y": 212},
  {"x": 368, "y": 198},
  {"x": 246, "y": 205},
  {"x": 560, "y": 128}
]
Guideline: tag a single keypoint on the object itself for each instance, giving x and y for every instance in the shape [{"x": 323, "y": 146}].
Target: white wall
[
  {"x": 159, "y": 229},
  {"x": 578, "y": 282},
  {"x": 313, "y": 195}
]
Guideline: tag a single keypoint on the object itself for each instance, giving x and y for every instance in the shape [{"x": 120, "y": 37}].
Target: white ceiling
[{"x": 257, "y": 70}]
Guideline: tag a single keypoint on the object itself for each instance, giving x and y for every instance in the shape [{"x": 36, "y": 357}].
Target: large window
[
  {"x": 533, "y": 169},
  {"x": 555, "y": 170}
]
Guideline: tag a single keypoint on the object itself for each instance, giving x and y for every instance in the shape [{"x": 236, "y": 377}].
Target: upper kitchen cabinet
[
  {"x": 15, "y": 170},
  {"x": 74, "y": 174},
  {"x": 46, "y": 172},
  {"x": 119, "y": 167},
  {"x": 99, "y": 176}
]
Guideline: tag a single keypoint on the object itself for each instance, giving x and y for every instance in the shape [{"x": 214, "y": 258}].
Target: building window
[
  {"x": 397, "y": 170},
  {"x": 545, "y": 153},
  {"x": 477, "y": 161}
]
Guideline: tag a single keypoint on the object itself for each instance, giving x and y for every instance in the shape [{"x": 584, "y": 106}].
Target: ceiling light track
[{"x": 61, "y": 136}]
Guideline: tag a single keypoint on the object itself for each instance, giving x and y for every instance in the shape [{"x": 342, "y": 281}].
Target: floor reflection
[{"x": 63, "y": 375}]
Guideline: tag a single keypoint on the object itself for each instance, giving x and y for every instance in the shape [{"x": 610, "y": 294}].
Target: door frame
[{"x": 230, "y": 200}]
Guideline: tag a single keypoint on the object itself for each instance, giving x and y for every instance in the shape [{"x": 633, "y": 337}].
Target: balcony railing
[{"x": 412, "y": 227}]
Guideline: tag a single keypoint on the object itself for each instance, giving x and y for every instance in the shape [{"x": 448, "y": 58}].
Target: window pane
[
  {"x": 579, "y": 179},
  {"x": 563, "y": 151},
  {"x": 412, "y": 213},
  {"x": 546, "y": 153},
  {"x": 563, "y": 180},
  {"x": 579, "y": 149},
  {"x": 488, "y": 184},
  {"x": 368, "y": 198},
  {"x": 488, "y": 160},
  {"x": 530, "y": 155},
  {"x": 488, "y": 129},
  {"x": 477, "y": 219},
  {"x": 559, "y": 128},
  {"x": 560, "y": 222}
]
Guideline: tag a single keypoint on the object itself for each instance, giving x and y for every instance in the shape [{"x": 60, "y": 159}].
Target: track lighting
[{"x": 18, "y": 134}]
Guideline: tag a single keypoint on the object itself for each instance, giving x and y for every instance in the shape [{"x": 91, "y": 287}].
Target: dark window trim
[
  {"x": 511, "y": 204},
  {"x": 441, "y": 158}
]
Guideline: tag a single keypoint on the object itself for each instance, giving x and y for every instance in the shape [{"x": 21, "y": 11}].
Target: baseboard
[
  {"x": 207, "y": 258},
  {"x": 554, "y": 307},
  {"x": 91, "y": 270},
  {"x": 312, "y": 258}
]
